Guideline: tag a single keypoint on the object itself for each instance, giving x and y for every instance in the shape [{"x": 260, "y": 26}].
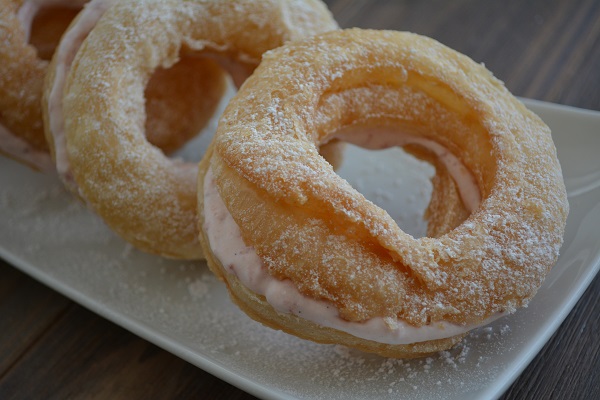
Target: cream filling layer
[
  {"x": 227, "y": 245},
  {"x": 65, "y": 54}
]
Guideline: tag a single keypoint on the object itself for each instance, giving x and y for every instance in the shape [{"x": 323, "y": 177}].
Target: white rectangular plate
[{"x": 182, "y": 308}]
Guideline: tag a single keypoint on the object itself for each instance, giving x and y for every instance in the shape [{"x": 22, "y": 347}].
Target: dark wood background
[{"x": 549, "y": 50}]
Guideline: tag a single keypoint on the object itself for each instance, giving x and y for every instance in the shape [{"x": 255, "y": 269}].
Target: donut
[
  {"x": 180, "y": 99},
  {"x": 302, "y": 251},
  {"x": 145, "y": 197},
  {"x": 32, "y": 29}
]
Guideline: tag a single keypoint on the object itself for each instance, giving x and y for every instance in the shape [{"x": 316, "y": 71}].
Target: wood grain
[
  {"x": 546, "y": 50},
  {"x": 543, "y": 49},
  {"x": 27, "y": 310},
  {"x": 568, "y": 367}
]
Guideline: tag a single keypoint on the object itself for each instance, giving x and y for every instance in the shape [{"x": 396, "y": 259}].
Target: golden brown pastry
[
  {"x": 145, "y": 197},
  {"x": 304, "y": 252}
]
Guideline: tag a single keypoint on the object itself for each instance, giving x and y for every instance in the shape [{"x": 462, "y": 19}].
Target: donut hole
[
  {"x": 378, "y": 116},
  {"x": 181, "y": 102},
  {"x": 393, "y": 179},
  {"x": 47, "y": 27},
  {"x": 185, "y": 101},
  {"x": 194, "y": 149},
  {"x": 423, "y": 186}
]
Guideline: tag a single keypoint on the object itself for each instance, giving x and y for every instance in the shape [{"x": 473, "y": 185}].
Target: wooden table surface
[{"x": 549, "y": 50}]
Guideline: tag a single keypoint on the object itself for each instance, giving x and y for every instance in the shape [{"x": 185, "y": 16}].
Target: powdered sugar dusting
[{"x": 200, "y": 288}]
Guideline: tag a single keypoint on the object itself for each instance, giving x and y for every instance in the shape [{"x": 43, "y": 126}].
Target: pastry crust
[
  {"x": 145, "y": 197},
  {"x": 309, "y": 227}
]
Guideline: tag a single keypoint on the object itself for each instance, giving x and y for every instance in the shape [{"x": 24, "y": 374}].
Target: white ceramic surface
[{"x": 182, "y": 308}]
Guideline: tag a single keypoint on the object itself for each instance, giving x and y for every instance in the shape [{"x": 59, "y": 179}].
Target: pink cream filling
[
  {"x": 65, "y": 54},
  {"x": 226, "y": 242}
]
